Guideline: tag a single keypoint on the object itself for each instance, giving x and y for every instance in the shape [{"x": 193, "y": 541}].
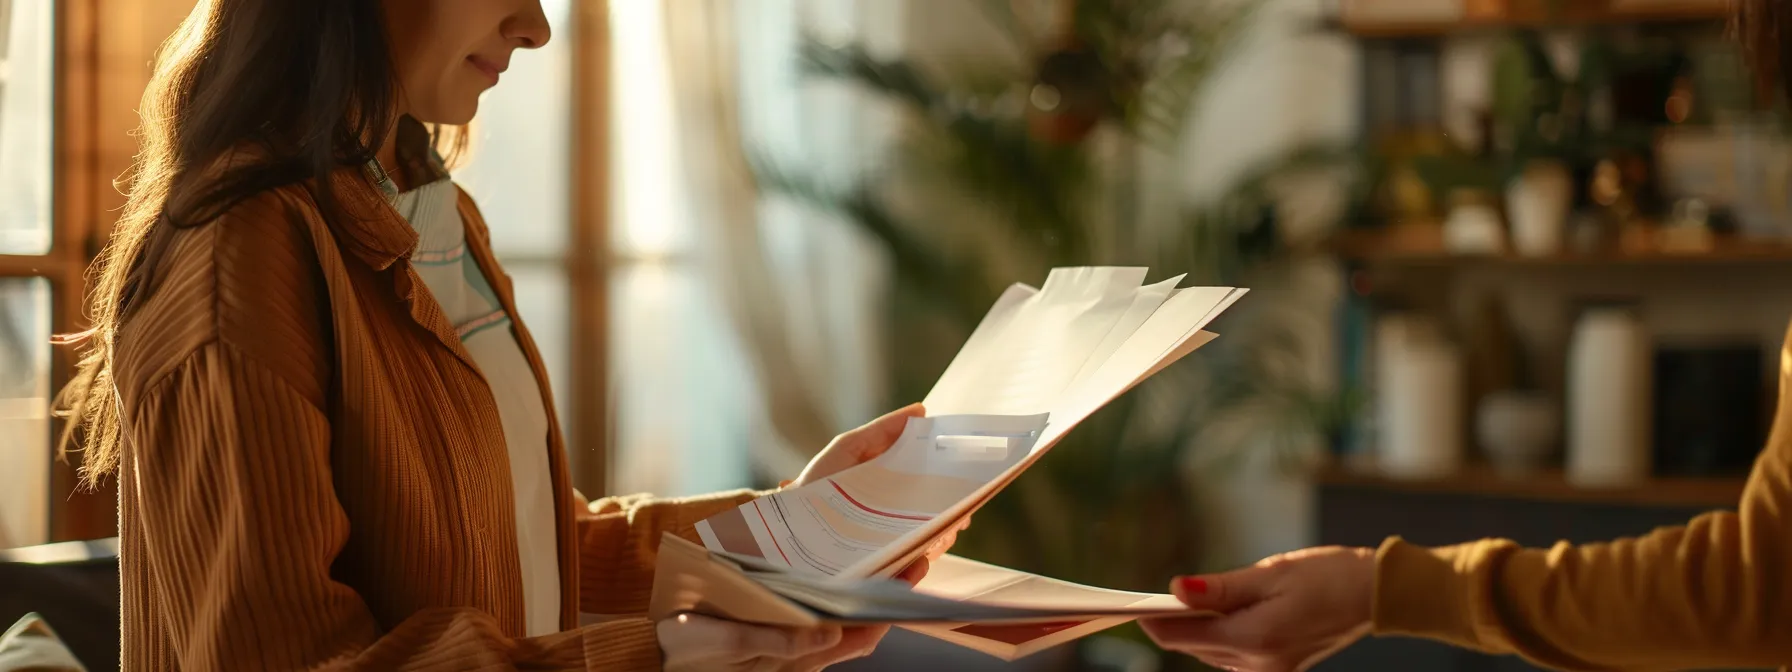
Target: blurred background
[{"x": 1520, "y": 267}]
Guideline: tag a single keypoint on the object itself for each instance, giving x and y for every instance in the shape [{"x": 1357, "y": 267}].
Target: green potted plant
[{"x": 1538, "y": 128}]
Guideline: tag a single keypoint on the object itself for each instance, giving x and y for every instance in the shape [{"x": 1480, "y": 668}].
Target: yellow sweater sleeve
[{"x": 1714, "y": 593}]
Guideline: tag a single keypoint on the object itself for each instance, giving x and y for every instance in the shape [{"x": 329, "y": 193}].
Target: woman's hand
[
  {"x": 1284, "y": 614},
  {"x": 693, "y": 642},
  {"x": 862, "y": 445},
  {"x": 859, "y": 445}
]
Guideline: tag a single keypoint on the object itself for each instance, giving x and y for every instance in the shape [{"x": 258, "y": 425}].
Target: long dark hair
[{"x": 305, "y": 86}]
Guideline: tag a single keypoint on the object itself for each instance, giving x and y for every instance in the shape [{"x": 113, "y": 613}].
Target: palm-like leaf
[{"x": 965, "y": 143}]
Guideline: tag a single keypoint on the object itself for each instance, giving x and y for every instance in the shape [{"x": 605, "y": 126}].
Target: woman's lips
[{"x": 490, "y": 69}]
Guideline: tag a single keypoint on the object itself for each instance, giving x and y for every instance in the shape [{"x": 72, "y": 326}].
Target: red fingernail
[{"x": 1193, "y": 585}]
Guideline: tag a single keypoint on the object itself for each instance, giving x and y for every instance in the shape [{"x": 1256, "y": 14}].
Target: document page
[
  {"x": 1041, "y": 361},
  {"x": 825, "y": 526},
  {"x": 1167, "y": 333},
  {"x": 1083, "y": 609},
  {"x": 1036, "y": 348},
  {"x": 965, "y": 580},
  {"x": 1038, "y": 364},
  {"x": 964, "y": 591}
]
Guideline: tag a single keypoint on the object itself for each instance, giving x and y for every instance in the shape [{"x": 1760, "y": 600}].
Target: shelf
[
  {"x": 1423, "y": 246},
  {"x": 1669, "y": 11},
  {"x": 1713, "y": 492}
]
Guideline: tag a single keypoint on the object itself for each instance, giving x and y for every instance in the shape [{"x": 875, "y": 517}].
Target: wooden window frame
[{"x": 588, "y": 250}]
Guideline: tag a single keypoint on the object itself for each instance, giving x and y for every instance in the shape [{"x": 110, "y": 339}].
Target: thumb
[
  {"x": 875, "y": 437},
  {"x": 1223, "y": 593}
]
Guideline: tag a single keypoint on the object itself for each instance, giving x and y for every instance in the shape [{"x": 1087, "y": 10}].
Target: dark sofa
[{"x": 74, "y": 586}]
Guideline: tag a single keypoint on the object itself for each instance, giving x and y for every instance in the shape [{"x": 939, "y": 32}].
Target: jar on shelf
[
  {"x": 1537, "y": 204},
  {"x": 1609, "y": 397},
  {"x": 1473, "y": 226}
]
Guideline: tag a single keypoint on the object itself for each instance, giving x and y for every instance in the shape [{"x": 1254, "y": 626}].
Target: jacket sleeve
[
  {"x": 619, "y": 540},
  {"x": 216, "y": 445},
  {"x": 1714, "y": 593}
]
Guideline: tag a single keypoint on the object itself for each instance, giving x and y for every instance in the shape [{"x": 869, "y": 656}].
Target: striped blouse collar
[{"x": 416, "y": 154}]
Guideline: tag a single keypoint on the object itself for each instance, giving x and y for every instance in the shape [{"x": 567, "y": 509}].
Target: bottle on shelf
[
  {"x": 1609, "y": 397},
  {"x": 1419, "y": 388}
]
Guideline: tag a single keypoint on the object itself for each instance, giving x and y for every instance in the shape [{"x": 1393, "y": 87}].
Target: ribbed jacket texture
[{"x": 314, "y": 474}]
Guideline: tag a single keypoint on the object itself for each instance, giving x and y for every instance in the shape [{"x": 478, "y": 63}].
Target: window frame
[
  {"x": 77, "y": 205},
  {"x": 587, "y": 262}
]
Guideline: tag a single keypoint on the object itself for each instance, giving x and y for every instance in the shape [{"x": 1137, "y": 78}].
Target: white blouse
[{"x": 454, "y": 279}]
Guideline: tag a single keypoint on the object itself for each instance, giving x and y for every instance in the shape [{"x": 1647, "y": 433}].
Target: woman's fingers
[
  {"x": 1191, "y": 632},
  {"x": 940, "y": 546},
  {"x": 751, "y": 642},
  {"x": 854, "y": 643},
  {"x": 875, "y": 437},
  {"x": 1227, "y": 592},
  {"x": 915, "y": 572},
  {"x": 859, "y": 445},
  {"x": 693, "y": 642}
]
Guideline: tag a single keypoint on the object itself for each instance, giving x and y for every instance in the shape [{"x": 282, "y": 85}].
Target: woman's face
[{"x": 447, "y": 52}]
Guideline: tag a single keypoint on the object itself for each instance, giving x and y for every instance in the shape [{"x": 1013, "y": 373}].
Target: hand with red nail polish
[{"x": 1284, "y": 614}]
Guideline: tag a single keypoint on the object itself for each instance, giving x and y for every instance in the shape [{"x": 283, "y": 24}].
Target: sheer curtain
[{"x": 744, "y": 326}]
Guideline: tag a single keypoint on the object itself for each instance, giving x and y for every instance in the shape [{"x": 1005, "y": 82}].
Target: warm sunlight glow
[{"x": 649, "y": 222}]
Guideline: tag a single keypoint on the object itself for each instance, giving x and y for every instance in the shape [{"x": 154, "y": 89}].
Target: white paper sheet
[
  {"x": 1038, "y": 352},
  {"x": 1164, "y": 334},
  {"x": 826, "y": 526},
  {"x": 1038, "y": 364}
]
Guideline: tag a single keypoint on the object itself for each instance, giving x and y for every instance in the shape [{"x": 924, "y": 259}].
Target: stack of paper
[{"x": 1039, "y": 363}]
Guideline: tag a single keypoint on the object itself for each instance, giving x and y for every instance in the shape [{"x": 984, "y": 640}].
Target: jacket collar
[
  {"x": 374, "y": 232},
  {"x": 378, "y": 234}
]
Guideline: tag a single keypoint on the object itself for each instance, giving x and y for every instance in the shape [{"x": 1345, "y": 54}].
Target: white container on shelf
[
  {"x": 1518, "y": 430},
  {"x": 1473, "y": 226},
  {"x": 1609, "y": 399},
  {"x": 1419, "y": 381},
  {"x": 1537, "y": 205}
]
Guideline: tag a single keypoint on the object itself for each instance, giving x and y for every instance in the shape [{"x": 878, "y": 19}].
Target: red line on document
[
  {"x": 769, "y": 533},
  {"x": 887, "y": 514}
]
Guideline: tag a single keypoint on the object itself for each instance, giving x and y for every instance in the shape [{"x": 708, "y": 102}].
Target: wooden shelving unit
[
  {"x": 1715, "y": 492},
  {"x": 1424, "y": 247},
  {"x": 1405, "y": 263},
  {"x": 1572, "y": 14}
]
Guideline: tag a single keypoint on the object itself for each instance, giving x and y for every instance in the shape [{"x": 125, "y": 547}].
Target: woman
[
  {"x": 334, "y": 443},
  {"x": 1714, "y": 593}
]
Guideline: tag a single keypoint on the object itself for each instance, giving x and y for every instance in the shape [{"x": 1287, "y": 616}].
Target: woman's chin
[{"x": 456, "y": 112}]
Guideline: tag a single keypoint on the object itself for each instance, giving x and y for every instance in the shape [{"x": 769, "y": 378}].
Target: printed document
[{"x": 1040, "y": 362}]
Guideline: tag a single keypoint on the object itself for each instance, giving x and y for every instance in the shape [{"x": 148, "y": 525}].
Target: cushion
[{"x": 31, "y": 646}]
